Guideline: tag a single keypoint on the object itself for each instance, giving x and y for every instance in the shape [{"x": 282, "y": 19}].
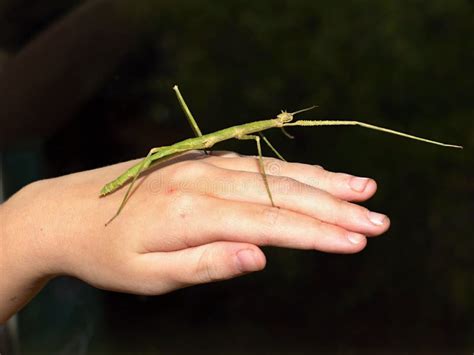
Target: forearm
[{"x": 20, "y": 280}]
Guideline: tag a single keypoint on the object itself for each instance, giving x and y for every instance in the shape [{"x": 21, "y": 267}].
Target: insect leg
[
  {"x": 285, "y": 132},
  {"x": 260, "y": 160},
  {"x": 271, "y": 146},
  {"x": 187, "y": 111},
  {"x": 145, "y": 163}
]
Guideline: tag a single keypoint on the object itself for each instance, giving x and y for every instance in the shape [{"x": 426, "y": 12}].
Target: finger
[
  {"x": 224, "y": 154},
  {"x": 205, "y": 219},
  {"x": 211, "y": 262},
  {"x": 341, "y": 185},
  {"x": 288, "y": 194}
]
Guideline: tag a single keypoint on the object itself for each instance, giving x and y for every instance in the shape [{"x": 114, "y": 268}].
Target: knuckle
[
  {"x": 326, "y": 232},
  {"x": 197, "y": 168},
  {"x": 335, "y": 214},
  {"x": 190, "y": 169},
  {"x": 206, "y": 268},
  {"x": 320, "y": 230},
  {"x": 332, "y": 211},
  {"x": 320, "y": 175},
  {"x": 342, "y": 211},
  {"x": 188, "y": 176},
  {"x": 268, "y": 217},
  {"x": 361, "y": 212}
]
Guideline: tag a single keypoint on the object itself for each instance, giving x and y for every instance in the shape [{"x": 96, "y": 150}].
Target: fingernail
[
  {"x": 355, "y": 238},
  {"x": 376, "y": 218},
  {"x": 358, "y": 184},
  {"x": 247, "y": 260}
]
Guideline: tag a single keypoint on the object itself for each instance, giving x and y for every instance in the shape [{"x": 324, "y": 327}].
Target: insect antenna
[{"x": 303, "y": 110}]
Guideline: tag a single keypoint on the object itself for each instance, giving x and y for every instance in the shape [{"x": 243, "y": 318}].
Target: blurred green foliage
[{"x": 404, "y": 65}]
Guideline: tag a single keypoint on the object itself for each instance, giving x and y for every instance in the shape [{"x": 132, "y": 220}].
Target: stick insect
[{"x": 248, "y": 131}]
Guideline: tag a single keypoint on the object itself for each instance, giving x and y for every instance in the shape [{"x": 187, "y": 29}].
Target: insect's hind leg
[
  {"x": 144, "y": 164},
  {"x": 260, "y": 161}
]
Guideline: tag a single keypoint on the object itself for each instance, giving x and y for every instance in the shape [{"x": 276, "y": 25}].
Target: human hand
[{"x": 197, "y": 219}]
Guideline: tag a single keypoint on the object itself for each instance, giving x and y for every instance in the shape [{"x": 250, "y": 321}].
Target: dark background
[{"x": 88, "y": 83}]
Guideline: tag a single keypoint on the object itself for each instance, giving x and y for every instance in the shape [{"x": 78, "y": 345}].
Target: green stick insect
[{"x": 247, "y": 131}]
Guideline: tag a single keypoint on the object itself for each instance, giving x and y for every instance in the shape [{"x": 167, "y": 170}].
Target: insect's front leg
[{"x": 265, "y": 139}]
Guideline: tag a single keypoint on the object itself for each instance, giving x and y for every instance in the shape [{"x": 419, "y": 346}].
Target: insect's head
[{"x": 285, "y": 117}]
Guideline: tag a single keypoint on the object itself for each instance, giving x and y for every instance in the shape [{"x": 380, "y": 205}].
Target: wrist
[{"x": 23, "y": 272}]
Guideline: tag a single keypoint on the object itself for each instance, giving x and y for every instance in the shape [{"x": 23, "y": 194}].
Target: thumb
[{"x": 202, "y": 264}]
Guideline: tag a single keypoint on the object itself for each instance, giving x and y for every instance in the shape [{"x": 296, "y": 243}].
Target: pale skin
[{"x": 197, "y": 219}]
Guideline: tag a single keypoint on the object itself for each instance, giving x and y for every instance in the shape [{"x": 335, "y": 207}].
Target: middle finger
[{"x": 343, "y": 186}]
